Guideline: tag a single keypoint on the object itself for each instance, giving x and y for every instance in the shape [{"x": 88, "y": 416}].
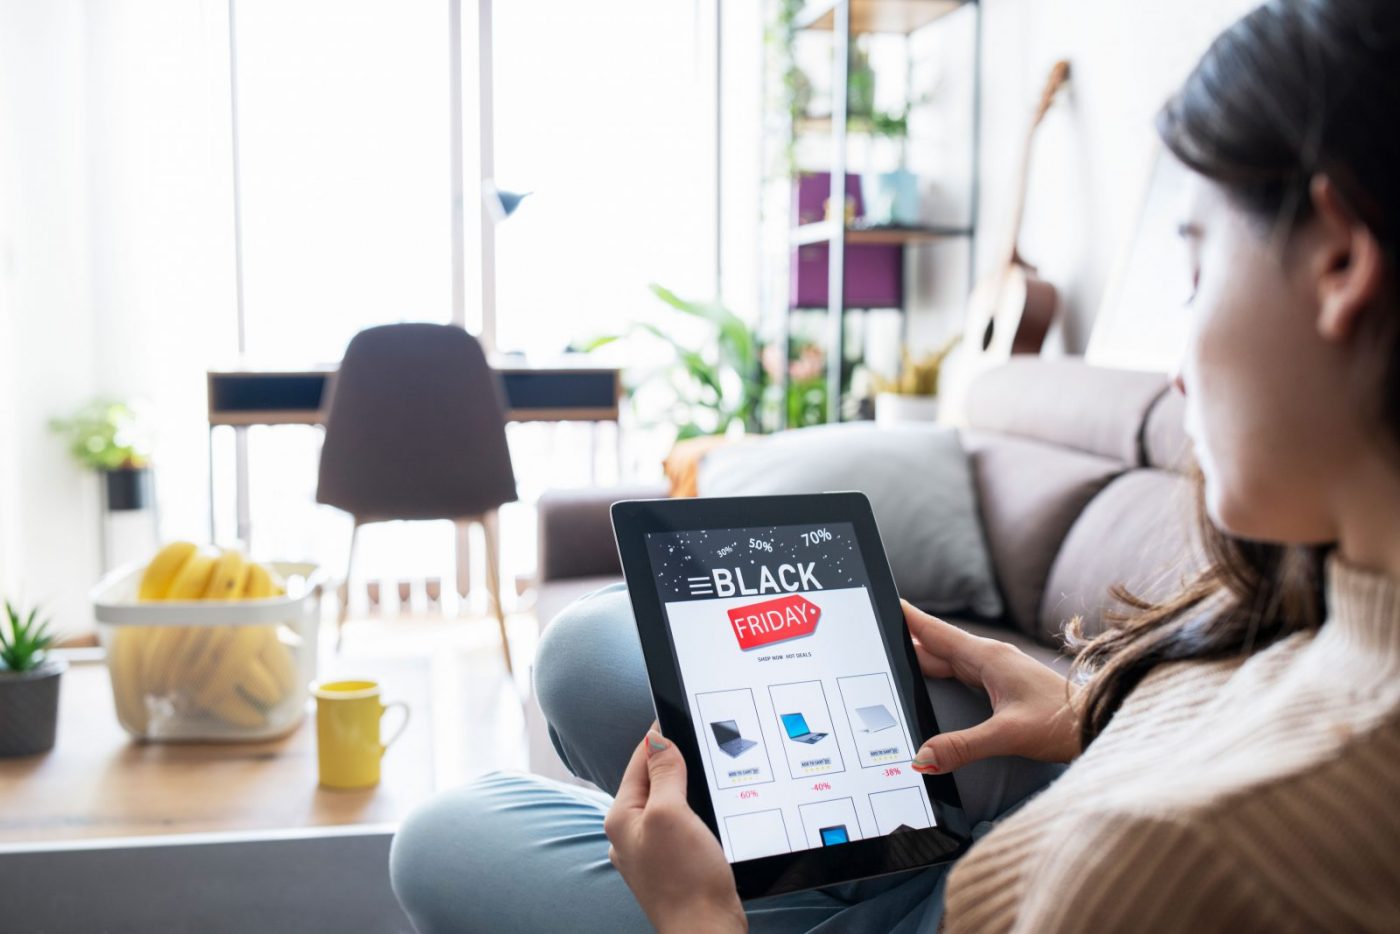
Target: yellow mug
[{"x": 347, "y": 732}]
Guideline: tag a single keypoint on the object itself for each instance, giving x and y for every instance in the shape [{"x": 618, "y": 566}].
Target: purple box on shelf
[
  {"x": 813, "y": 189},
  {"x": 874, "y": 272},
  {"x": 874, "y": 275}
]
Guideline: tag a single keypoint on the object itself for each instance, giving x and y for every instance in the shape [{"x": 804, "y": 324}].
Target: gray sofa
[{"x": 1081, "y": 479}]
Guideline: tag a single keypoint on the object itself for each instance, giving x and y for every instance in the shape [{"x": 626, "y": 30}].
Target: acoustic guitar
[{"x": 1011, "y": 309}]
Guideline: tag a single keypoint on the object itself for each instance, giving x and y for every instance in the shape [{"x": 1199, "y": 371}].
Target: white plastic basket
[{"x": 210, "y": 669}]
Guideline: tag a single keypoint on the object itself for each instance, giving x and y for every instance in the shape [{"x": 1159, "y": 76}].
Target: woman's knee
[
  {"x": 588, "y": 651},
  {"x": 425, "y": 864},
  {"x": 458, "y": 862}
]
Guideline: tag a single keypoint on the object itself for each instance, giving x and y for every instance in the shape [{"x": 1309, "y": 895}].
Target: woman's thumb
[
  {"x": 948, "y": 751},
  {"x": 666, "y": 767}
]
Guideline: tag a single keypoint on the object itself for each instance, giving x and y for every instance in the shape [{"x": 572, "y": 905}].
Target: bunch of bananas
[{"x": 235, "y": 674}]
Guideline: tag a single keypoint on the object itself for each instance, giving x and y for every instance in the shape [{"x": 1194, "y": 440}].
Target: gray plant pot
[{"x": 29, "y": 708}]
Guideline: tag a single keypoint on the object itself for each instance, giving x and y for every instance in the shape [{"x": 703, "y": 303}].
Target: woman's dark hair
[{"x": 1294, "y": 89}]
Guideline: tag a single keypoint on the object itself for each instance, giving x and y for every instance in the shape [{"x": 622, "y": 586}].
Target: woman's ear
[{"x": 1351, "y": 265}]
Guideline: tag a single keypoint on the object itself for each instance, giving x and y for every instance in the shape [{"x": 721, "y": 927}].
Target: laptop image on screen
[
  {"x": 796, "y": 726},
  {"x": 834, "y": 835},
  {"x": 729, "y": 740},
  {"x": 875, "y": 718}
]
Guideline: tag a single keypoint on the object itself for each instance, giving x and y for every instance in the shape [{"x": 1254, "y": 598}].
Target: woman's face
[{"x": 1266, "y": 390}]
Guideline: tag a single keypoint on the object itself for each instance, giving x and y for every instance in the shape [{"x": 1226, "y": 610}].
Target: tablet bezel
[{"x": 803, "y": 869}]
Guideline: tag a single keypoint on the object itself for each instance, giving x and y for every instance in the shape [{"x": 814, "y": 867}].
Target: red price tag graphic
[{"x": 774, "y": 621}]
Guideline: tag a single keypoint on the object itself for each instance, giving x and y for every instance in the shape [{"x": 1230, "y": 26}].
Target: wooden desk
[
  {"x": 243, "y": 397},
  {"x": 98, "y": 782}
]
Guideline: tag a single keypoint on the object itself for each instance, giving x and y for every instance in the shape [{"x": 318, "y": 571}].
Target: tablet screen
[{"x": 789, "y": 685}]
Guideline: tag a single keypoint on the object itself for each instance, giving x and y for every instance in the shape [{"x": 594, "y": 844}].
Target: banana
[
  {"x": 127, "y": 692},
  {"x": 172, "y": 574},
  {"x": 193, "y": 578},
  {"x": 226, "y": 581},
  {"x": 236, "y": 710},
  {"x": 260, "y": 584},
  {"x": 159, "y": 574},
  {"x": 237, "y": 653},
  {"x": 235, "y": 674},
  {"x": 164, "y": 647},
  {"x": 280, "y": 664},
  {"x": 259, "y": 685},
  {"x": 204, "y": 657}
]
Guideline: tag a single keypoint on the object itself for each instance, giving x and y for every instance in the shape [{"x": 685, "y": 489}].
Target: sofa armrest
[{"x": 575, "y": 530}]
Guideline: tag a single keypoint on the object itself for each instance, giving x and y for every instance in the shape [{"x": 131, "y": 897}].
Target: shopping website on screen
[{"x": 789, "y": 687}]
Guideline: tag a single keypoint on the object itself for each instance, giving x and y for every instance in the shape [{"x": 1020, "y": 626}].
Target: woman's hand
[
  {"x": 1032, "y": 706},
  {"x": 671, "y": 861}
]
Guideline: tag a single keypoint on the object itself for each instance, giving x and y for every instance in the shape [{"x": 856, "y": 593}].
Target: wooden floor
[{"x": 467, "y": 718}]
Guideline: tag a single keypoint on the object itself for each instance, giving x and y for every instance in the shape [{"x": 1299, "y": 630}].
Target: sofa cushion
[
  {"x": 1068, "y": 403},
  {"x": 920, "y": 488},
  {"x": 1164, "y": 439},
  {"x": 1030, "y": 494},
  {"x": 575, "y": 536},
  {"x": 1139, "y": 532},
  {"x": 553, "y": 596}
]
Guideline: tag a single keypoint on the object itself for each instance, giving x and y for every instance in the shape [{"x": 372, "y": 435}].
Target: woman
[{"x": 1235, "y": 752}]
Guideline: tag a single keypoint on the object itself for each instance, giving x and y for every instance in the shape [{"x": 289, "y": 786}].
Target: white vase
[{"x": 892, "y": 408}]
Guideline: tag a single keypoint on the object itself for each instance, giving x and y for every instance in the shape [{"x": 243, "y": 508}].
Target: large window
[
  {"x": 604, "y": 111},
  {"x": 343, "y": 124},
  {"x": 344, "y": 109}
]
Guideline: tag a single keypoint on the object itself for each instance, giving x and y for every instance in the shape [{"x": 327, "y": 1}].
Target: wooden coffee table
[{"x": 98, "y": 782}]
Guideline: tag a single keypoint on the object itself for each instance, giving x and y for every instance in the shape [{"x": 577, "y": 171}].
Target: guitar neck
[{"x": 1059, "y": 74}]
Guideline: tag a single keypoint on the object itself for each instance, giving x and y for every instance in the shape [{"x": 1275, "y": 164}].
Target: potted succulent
[
  {"x": 913, "y": 396},
  {"x": 108, "y": 436},
  {"x": 29, "y": 678}
]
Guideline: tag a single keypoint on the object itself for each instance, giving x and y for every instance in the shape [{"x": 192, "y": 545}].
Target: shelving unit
[
  {"x": 824, "y": 232},
  {"x": 891, "y": 16},
  {"x": 844, "y": 19}
]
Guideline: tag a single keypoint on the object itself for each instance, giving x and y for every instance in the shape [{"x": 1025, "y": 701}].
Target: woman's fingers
[
  {"x": 654, "y": 774},
  {"x": 938, "y": 637},
  {"x": 948, "y": 751},
  {"x": 635, "y": 786},
  {"x": 944, "y": 650},
  {"x": 932, "y": 665},
  {"x": 666, "y": 770}
]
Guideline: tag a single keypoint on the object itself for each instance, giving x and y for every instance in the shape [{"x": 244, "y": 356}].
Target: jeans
[{"x": 512, "y": 852}]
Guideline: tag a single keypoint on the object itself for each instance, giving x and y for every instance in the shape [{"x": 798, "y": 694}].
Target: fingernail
[
  {"x": 925, "y": 760},
  {"x": 655, "y": 742}
]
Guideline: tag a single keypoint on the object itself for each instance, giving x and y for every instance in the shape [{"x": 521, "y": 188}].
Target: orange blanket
[{"x": 682, "y": 465}]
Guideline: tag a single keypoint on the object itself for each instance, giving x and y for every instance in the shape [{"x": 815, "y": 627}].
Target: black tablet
[{"x": 781, "y": 667}]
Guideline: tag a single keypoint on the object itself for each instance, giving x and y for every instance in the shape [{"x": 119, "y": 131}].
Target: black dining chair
[{"x": 416, "y": 431}]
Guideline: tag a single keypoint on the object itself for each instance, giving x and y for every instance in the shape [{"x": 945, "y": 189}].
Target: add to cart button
[{"x": 773, "y": 621}]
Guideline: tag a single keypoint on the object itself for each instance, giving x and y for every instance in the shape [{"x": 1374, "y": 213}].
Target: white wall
[
  {"x": 1093, "y": 151},
  {"x": 48, "y": 545},
  {"x": 158, "y": 159},
  {"x": 115, "y": 264}
]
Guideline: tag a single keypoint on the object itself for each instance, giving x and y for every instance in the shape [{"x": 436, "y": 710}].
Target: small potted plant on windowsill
[
  {"x": 913, "y": 396},
  {"x": 109, "y": 437},
  {"x": 29, "y": 678}
]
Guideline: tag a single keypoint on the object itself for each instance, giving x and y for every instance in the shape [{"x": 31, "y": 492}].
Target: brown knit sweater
[{"x": 1261, "y": 795}]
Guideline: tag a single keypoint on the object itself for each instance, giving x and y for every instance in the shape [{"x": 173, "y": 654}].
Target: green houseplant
[
  {"x": 109, "y": 437},
  {"x": 29, "y": 679},
  {"x": 713, "y": 382},
  {"x": 803, "y": 401}
]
